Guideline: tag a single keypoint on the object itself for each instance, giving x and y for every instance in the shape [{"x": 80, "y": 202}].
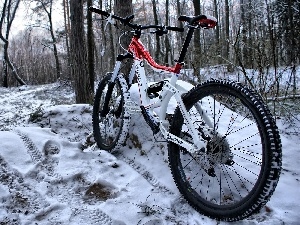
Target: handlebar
[
  {"x": 126, "y": 21},
  {"x": 99, "y": 11}
]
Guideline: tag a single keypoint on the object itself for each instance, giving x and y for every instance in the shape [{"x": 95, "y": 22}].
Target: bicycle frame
[
  {"x": 224, "y": 148},
  {"x": 170, "y": 88}
]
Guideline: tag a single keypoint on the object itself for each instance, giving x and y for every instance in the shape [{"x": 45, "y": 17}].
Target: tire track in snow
[
  {"x": 45, "y": 162},
  {"x": 73, "y": 196},
  {"x": 23, "y": 197},
  {"x": 32, "y": 150},
  {"x": 71, "y": 192},
  {"x": 178, "y": 208},
  {"x": 142, "y": 170},
  {"x": 173, "y": 211},
  {"x": 95, "y": 217}
]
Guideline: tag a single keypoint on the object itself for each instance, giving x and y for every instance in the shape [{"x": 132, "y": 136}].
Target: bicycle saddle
[{"x": 201, "y": 20}]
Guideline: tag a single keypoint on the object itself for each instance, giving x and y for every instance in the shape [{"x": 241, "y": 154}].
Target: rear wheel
[
  {"x": 110, "y": 118},
  {"x": 238, "y": 170}
]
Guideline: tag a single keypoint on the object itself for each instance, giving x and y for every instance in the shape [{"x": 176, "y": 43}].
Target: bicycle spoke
[
  {"x": 245, "y": 139},
  {"x": 240, "y": 129}
]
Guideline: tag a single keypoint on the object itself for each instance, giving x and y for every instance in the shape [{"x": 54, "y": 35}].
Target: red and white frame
[{"x": 170, "y": 88}]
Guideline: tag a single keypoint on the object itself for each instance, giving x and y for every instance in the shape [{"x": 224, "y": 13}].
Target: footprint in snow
[{"x": 51, "y": 148}]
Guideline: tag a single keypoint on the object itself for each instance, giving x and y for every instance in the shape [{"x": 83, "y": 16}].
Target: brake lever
[{"x": 109, "y": 20}]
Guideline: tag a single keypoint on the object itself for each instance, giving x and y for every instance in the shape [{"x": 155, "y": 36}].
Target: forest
[{"x": 255, "y": 42}]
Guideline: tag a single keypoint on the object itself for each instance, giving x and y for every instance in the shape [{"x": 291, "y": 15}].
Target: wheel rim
[
  {"x": 110, "y": 125},
  {"x": 227, "y": 173}
]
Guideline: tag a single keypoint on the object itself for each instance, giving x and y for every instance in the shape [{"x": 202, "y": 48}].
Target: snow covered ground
[{"x": 52, "y": 172}]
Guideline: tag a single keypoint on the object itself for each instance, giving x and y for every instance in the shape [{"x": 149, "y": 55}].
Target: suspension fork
[
  {"x": 112, "y": 82},
  {"x": 110, "y": 88}
]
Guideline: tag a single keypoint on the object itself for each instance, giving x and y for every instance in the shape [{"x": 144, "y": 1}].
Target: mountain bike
[{"x": 224, "y": 148}]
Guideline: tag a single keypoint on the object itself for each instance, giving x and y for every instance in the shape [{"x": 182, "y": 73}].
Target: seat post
[{"x": 186, "y": 44}]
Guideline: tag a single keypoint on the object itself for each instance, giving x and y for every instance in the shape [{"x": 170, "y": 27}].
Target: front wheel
[
  {"x": 238, "y": 170},
  {"x": 110, "y": 117}
]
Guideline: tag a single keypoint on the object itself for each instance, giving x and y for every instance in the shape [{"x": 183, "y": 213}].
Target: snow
[{"x": 53, "y": 173}]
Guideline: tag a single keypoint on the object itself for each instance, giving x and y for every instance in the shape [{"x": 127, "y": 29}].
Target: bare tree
[
  {"x": 7, "y": 17},
  {"x": 35, "y": 62},
  {"x": 46, "y": 6}
]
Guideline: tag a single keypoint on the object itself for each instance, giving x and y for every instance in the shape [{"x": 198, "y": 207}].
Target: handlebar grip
[
  {"x": 127, "y": 19},
  {"x": 98, "y": 11},
  {"x": 178, "y": 29}
]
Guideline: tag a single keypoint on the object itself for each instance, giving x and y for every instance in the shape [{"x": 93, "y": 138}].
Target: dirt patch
[{"x": 100, "y": 192}]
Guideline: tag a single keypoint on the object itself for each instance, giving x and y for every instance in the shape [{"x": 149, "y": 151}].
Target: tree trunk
[
  {"x": 292, "y": 43},
  {"x": 167, "y": 42},
  {"x": 79, "y": 71},
  {"x": 91, "y": 45},
  {"x": 12, "y": 67},
  {"x": 111, "y": 46},
  {"x": 197, "y": 44},
  {"x": 157, "y": 47},
  {"x": 55, "y": 52},
  {"x": 243, "y": 46},
  {"x": 273, "y": 44},
  {"x": 217, "y": 31},
  {"x": 179, "y": 35},
  {"x": 124, "y": 8},
  {"x": 227, "y": 29},
  {"x": 250, "y": 39},
  {"x": 5, "y": 74},
  {"x": 67, "y": 32}
]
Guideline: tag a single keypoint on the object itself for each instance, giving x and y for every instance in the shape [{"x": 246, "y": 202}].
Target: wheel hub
[{"x": 218, "y": 150}]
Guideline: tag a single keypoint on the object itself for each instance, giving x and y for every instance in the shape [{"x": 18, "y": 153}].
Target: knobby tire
[{"x": 238, "y": 171}]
